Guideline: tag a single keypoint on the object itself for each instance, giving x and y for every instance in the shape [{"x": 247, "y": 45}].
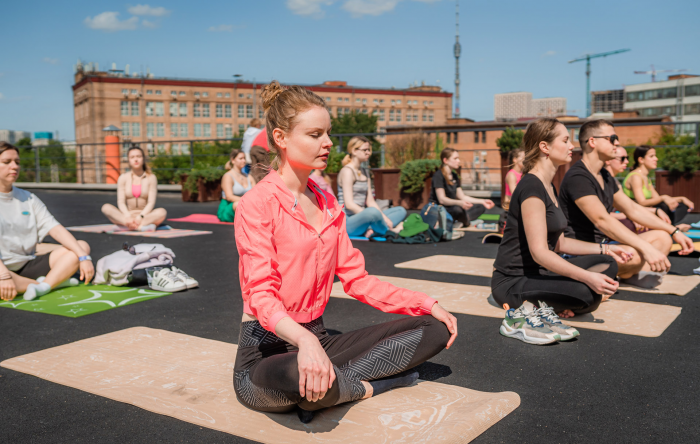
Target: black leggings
[
  {"x": 559, "y": 292},
  {"x": 266, "y": 374},
  {"x": 465, "y": 216},
  {"x": 675, "y": 216}
]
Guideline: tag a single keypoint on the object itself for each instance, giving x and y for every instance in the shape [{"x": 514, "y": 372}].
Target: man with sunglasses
[{"x": 589, "y": 193}]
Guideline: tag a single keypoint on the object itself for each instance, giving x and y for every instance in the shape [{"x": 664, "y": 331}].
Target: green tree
[
  {"x": 352, "y": 123},
  {"x": 669, "y": 137},
  {"x": 510, "y": 140},
  {"x": 51, "y": 155}
]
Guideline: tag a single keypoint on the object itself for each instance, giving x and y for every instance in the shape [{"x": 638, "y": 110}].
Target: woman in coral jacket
[{"x": 292, "y": 240}]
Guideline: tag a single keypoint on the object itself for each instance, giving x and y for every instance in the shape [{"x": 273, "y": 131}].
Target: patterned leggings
[{"x": 266, "y": 375}]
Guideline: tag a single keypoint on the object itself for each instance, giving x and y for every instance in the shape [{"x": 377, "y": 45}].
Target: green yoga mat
[
  {"x": 82, "y": 300},
  {"x": 490, "y": 217}
]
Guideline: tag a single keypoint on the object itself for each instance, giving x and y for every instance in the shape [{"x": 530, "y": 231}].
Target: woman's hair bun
[{"x": 270, "y": 93}]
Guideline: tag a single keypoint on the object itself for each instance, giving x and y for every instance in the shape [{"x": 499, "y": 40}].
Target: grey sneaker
[
  {"x": 526, "y": 325},
  {"x": 551, "y": 320}
]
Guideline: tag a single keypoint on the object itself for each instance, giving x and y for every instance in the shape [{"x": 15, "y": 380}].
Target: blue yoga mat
[
  {"x": 358, "y": 238},
  {"x": 693, "y": 234},
  {"x": 695, "y": 225}
]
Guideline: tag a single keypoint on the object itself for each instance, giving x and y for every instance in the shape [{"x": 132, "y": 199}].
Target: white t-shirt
[
  {"x": 248, "y": 136},
  {"x": 24, "y": 222}
]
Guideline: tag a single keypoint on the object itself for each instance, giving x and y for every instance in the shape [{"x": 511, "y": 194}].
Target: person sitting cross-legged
[
  {"x": 531, "y": 281},
  {"x": 588, "y": 195},
  {"x": 24, "y": 222}
]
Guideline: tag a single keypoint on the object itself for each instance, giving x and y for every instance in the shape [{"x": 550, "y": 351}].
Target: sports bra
[
  {"x": 630, "y": 193},
  {"x": 238, "y": 189}
]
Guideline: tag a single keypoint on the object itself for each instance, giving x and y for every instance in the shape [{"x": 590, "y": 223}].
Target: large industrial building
[
  {"x": 520, "y": 105},
  {"x": 13, "y": 137}
]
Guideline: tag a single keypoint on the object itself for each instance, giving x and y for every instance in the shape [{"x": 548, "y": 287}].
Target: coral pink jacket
[{"x": 286, "y": 268}]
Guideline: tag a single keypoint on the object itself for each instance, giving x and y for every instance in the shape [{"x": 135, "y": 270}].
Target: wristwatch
[{"x": 84, "y": 258}]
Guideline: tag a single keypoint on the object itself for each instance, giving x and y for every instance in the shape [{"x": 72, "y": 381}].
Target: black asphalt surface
[{"x": 603, "y": 387}]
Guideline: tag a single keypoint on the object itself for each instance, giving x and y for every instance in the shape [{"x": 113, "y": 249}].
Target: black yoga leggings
[
  {"x": 675, "y": 216},
  {"x": 266, "y": 374},
  {"x": 559, "y": 292},
  {"x": 465, "y": 216}
]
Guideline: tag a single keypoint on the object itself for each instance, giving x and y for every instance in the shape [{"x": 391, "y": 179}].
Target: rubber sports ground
[{"x": 601, "y": 387}]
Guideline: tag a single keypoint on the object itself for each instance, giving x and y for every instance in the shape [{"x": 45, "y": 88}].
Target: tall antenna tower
[{"x": 458, "y": 51}]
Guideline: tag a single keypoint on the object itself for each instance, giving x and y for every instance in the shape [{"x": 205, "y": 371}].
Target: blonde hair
[
  {"x": 355, "y": 143},
  {"x": 540, "y": 130},
  {"x": 282, "y": 105}
]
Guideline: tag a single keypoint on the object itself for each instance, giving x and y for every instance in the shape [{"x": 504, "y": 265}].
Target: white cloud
[
  {"x": 221, "y": 28},
  {"x": 109, "y": 22},
  {"x": 308, "y": 7},
  {"x": 359, "y": 8},
  {"x": 148, "y": 10},
  {"x": 148, "y": 24},
  {"x": 549, "y": 53},
  {"x": 50, "y": 61}
]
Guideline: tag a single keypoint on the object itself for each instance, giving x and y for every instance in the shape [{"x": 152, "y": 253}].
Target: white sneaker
[
  {"x": 184, "y": 277},
  {"x": 166, "y": 280}
]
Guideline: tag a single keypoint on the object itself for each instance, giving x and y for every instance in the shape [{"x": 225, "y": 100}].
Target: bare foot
[
  {"x": 398, "y": 229},
  {"x": 369, "y": 233},
  {"x": 566, "y": 314},
  {"x": 683, "y": 227}
]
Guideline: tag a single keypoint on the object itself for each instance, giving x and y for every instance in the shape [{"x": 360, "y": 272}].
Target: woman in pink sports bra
[
  {"x": 515, "y": 159},
  {"x": 136, "y": 197}
]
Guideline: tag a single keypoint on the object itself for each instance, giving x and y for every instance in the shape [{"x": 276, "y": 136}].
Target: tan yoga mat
[
  {"x": 477, "y": 266},
  {"x": 626, "y": 317},
  {"x": 677, "y": 247},
  {"x": 191, "y": 379}
]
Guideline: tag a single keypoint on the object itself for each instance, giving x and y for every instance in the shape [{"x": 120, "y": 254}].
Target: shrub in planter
[
  {"x": 415, "y": 173},
  {"x": 201, "y": 184},
  {"x": 681, "y": 160},
  {"x": 510, "y": 140}
]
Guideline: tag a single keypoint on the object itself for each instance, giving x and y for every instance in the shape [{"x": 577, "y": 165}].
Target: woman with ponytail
[
  {"x": 446, "y": 191},
  {"x": 529, "y": 273},
  {"x": 292, "y": 241}
]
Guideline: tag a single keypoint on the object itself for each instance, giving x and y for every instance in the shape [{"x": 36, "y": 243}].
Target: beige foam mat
[
  {"x": 477, "y": 266},
  {"x": 191, "y": 379},
  {"x": 677, "y": 247},
  {"x": 626, "y": 317}
]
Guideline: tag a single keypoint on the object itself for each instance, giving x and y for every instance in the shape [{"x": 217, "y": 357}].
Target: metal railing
[{"x": 168, "y": 157}]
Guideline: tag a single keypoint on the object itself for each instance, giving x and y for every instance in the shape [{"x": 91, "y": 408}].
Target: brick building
[
  {"x": 165, "y": 114},
  {"x": 481, "y": 160}
]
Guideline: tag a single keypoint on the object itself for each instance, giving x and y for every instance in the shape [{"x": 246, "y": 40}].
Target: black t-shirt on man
[
  {"x": 514, "y": 257},
  {"x": 440, "y": 182},
  {"x": 579, "y": 182}
]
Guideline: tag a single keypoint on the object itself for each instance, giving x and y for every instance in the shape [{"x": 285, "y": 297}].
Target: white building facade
[
  {"x": 512, "y": 106},
  {"x": 549, "y": 107},
  {"x": 678, "y": 97}
]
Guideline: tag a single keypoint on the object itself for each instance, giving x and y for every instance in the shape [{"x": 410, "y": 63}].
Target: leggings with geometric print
[{"x": 266, "y": 374}]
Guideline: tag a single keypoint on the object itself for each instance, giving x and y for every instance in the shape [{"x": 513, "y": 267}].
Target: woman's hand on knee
[
  {"x": 446, "y": 318},
  {"x": 8, "y": 289},
  {"x": 602, "y": 284},
  {"x": 316, "y": 374},
  {"x": 87, "y": 271}
]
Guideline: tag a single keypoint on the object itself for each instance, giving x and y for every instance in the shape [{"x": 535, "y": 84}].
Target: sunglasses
[
  {"x": 612, "y": 138},
  {"x": 623, "y": 158}
]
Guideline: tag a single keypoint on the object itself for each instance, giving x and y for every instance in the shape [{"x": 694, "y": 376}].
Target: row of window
[
  {"x": 662, "y": 93},
  {"x": 133, "y": 129},
  {"x": 379, "y": 101},
  {"x": 159, "y": 92},
  {"x": 693, "y": 108},
  {"x": 157, "y": 109}
]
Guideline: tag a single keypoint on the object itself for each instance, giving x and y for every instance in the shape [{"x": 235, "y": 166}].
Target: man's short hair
[{"x": 589, "y": 128}]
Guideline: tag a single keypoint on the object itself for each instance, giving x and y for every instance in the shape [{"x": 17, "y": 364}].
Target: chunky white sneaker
[
  {"x": 186, "y": 278},
  {"x": 551, "y": 320},
  {"x": 166, "y": 280},
  {"x": 525, "y": 324}
]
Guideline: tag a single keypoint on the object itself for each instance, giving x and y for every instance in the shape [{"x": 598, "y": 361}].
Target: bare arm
[
  {"x": 316, "y": 374},
  {"x": 534, "y": 222},
  {"x": 346, "y": 180},
  {"x": 511, "y": 181},
  {"x": 227, "y": 186},
  {"x": 152, "y": 194},
  {"x": 446, "y": 201},
  {"x": 639, "y": 214},
  {"x": 637, "y": 185},
  {"x": 121, "y": 195},
  {"x": 594, "y": 210}
]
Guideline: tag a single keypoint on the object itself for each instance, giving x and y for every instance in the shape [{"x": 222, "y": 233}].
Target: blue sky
[{"x": 506, "y": 46}]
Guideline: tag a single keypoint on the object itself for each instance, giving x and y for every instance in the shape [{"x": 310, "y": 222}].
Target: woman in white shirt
[{"x": 24, "y": 222}]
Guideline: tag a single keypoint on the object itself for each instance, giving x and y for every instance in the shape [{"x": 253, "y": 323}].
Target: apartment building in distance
[
  {"x": 678, "y": 97},
  {"x": 520, "y": 105},
  {"x": 165, "y": 114}
]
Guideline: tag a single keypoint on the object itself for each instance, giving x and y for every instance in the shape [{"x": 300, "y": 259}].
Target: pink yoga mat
[{"x": 201, "y": 219}]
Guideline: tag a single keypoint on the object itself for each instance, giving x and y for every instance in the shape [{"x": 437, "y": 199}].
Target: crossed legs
[
  {"x": 659, "y": 239},
  {"x": 156, "y": 217},
  {"x": 63, "y": 262}
]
